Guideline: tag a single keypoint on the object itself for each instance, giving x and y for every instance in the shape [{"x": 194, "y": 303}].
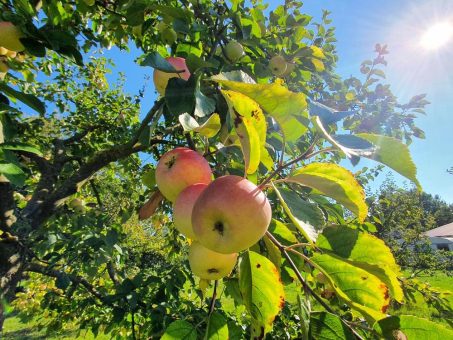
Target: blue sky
[{"x": 360, "y": 24}]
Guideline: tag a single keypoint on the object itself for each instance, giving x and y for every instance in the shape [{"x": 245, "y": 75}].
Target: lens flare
[{"x": 437, "y": 36}]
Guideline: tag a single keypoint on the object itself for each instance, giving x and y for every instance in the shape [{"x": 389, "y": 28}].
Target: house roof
[{"x": 443, "y": 231}]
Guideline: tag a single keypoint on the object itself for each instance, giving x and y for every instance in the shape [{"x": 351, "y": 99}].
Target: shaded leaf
[
  {"x": 156, "y": 61},
  {"x": 327, "y": 114},
  {"x": 333, "y": 181},
  {"x": 180, "y": 330},
  {"x": 327, "y": 326},
  {"x": 27, "y": 99},
  {"x": 262, "y": 291},
  {"x": 217, "y": 327},
  {"x": 204, "y": 106},
  {"x": 20, "y": 147}
]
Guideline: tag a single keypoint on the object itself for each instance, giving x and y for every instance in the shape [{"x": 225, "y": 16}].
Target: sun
[{"x": 437, "y": 36}]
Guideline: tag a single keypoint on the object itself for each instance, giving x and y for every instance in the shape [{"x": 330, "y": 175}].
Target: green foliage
[{"x": 96, "y": 265}]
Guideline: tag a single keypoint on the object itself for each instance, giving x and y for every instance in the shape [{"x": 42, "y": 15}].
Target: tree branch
[
  {"x": 306, "y": 287},
  {"x": 77, "y": 280}
]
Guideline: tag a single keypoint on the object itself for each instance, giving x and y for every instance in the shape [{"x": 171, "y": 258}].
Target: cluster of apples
[
  {"x": 10, "y": 44},
  {"x": 221, "y": 217}
]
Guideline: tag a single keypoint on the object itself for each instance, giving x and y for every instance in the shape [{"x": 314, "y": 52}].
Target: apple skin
[
  {"x": 161, "y": 78},
  {"x": 183, "y": 206},
  {"x": 278, "y": 65},
  {"x": 231, "y": 215},
  {"x": 179, "y": 168},
  {"x": 234, "y": 51},
  {"x": 209, "y": 265},
  {"x": 9, "y": 37}
]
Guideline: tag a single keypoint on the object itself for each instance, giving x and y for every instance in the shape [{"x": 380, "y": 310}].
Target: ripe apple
[
  {"x": 208, "y": 264},
  {"x": 9, "y": 37},
  {"x": 161, "y": 78},
  {"x": 179, "y": 168},
  {"x": 278, "y": 65},
  {"x": 234, "y": 51},
  {"x": 183, "y": 206},
  {"x": 230, "y": 215}
]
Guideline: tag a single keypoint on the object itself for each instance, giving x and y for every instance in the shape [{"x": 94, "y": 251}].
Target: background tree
[
  {"x": 72, "y": 178},
  {"x": 404, "y": 216}
]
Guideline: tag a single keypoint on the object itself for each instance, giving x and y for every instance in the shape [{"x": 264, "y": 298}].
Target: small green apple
[
  {"x": 89, "y": 2},
  {"x": 277, "y": 65},
  {"x": 231, "y": 215},
  {"x": 179, "y": 168},
  {"x": 183, "y": 206},
  {"x": 290, "y": 67},
  {"x": 209, "y": 265},
  {"x": 9, "y": 37},
  {"x": 234, "y": 51},
  {"x": 161, "y": 78}
]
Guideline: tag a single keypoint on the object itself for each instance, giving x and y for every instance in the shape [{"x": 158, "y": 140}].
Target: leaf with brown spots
[
  {"x": 359, "y": 288},
  {"x": 150, "y": 207},
  {"x": 262, "y": 291}
]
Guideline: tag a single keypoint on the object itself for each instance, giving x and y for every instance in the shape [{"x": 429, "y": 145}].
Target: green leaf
[
  {"x": 358, "y": 288},
  {"x": 365, "y": 251},
  {"x": 393, "y": 153},
  {"x": 298, "y": 219},
  {"x": 21, "y": 147},
  {"x": 282, "y": 232},
  {"x": 217, "y": 327},
  {"x": 13, "y": 173},
  {"x": 27, "y": 99},
  {"x": 262, "y": 291},
  {"x": 208, "y": 129},
  {"x": 204, "y": 106},
  {"x": 156, "y": 61},
  {"x": 290, "y": 110},
  {"x": 333, "y": 181},
  {"x": 149, "y": 178},
  {"x": 413, "y": 328},
  {"x": 327, "y": 114},
  {"x": 274, "y": 253},
  {"x": 180, "y": 330},
  {"x": 327, "y": 326},
  {"x": 179, "y": 96}
]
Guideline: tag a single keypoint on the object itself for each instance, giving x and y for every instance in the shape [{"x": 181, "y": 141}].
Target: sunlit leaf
[
  {"x": 358, "y": 288},
  {"x": 208, "y": 129},
  {"x": 365, "y": 251},
  {"x": 13, "y": 173},
  {"x": 27, "y": 99},
  {"x": 393, "y": 153},
  {"x": 333, "y": 181},
  {"x": 20, "y": 147},
  {"x": 262, "y": 291},
  {"x": 413, "y": 328},
  {"x": 179, "y": 330},
  {"x": 298, "y": 219},
  {"x": 290, "y": 110}
]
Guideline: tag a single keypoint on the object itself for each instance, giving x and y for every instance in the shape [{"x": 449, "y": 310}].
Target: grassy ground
[
  {"x": 420, "y": 308},
  {"x": 15, "y": 329}
]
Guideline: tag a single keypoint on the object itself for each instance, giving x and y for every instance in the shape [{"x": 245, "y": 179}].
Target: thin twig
[
  {"x": 306, "y": 286},
  {"x": 214, "y": 296}
]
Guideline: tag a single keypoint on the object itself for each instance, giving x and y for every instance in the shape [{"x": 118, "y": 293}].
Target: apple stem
[
  {"x": 214, "y": 296},
  {"x": 307, "y": 288}
]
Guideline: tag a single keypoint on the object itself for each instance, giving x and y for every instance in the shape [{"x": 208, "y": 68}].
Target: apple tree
[{"x": 254, "y": 95}]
